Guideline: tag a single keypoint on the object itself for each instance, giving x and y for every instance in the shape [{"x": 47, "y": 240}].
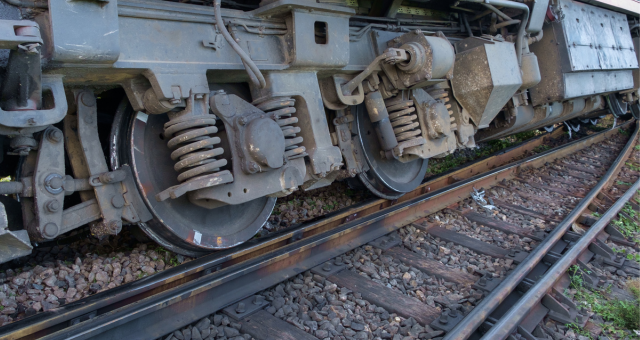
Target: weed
[
  {"x": 624, "y": 183},
  {"x": 621, "y": 315},
  {"x": 624, "y": 132},
  {"x": 541, "y": 148},
  {"x": 632, "y": 166},
  {"x": 637, "y": 147},
  {"x": 596, "y": 214},
  {"x": 140, "y": 275}
]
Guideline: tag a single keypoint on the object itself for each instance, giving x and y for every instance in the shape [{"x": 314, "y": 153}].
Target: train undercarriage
[{"x": 191, "y": 118}]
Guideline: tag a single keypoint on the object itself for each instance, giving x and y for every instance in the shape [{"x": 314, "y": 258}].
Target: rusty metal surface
[{"x": 189, "y": 289}]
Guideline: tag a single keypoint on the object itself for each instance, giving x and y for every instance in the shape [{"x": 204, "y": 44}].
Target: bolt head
[
  {"x": 88, "y": 99},
  {"x": 50, "y": 230},
  {"x": 242, "y": 121},
  {"x": 240, "y": 308},
  {"x": 117, "y": 201},
  {"x": 54, "y": 135},
  {"x": 55, "y": 183},
  {"x": 326, "y": 267}
]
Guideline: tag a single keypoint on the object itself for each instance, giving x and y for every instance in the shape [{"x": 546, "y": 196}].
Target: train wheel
[
  {"x": 617, "y": 105},
  {"x": 178, "y": 224},
  {"x": 386, "y": 178}
]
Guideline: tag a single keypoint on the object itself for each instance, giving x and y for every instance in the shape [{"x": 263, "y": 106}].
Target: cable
[{"x": 250, "y": 66}]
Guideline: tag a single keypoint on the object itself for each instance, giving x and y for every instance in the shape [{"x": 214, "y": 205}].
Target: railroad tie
[
  {"x": 264, "y": 326},
  {"x": 525, "y": 211},
  {"x": 431, "y": 266},
  {"x": 500, "y": 225},
  {"x": 476, "y": 245},
  {"x": 549, "y": 188},
  {"x": 387, "y": 298}
]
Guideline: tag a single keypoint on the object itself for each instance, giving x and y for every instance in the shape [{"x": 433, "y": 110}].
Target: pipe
[
  {"x": 535, "y": 38},
  {"x": 523, "y": 24},
  {"x": 507, "y": 23},
  {"x": 532, "y": 297},
  {"x": 478, "y": 315},
  {"x": 466, "y": 24},
  {"x": 29, "y": 3},
  {"x": 498, "y": 12},
  {"x": 243, "y": 55}
]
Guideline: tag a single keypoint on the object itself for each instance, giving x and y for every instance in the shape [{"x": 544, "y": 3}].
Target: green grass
[
  {"x": 618, "y": 315},
  {"x": 623, "y": 183},
  {"x": 637, "y": 147},
  {"x": 454, "y": 160},
  {"x": 633, "y": 166}
]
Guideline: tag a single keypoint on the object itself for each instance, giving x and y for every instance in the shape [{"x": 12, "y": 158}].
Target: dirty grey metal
[
  {"x": 13, "y": 244},
  {"x": 484, "y": 91},
  {"x": 352, "y": 159},
  {"x": 246, "y": 307},
  {"x": 82, "y": 31},
  {"x": 48, "y": 194},
  {"x": 108, "y": 195}
]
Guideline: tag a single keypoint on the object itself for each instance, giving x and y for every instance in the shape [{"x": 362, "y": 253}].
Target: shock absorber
[
  {"x": 282, "y": 109},
  {"x": 403, "y": 118}
]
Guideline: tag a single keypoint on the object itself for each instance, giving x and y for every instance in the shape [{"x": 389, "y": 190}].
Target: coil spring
[
  {"x": 403, "y": 120},
  {"x": 282, "y": 109},
  {"x": 192, "y": 139},
  {"x": 443, "y": 96}
]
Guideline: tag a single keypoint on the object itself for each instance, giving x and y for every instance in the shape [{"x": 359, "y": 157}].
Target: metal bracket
[
  {"x": 486, "y": 283},
  {"x": 36, "y": 118},
  {"x": 517, "y": 256},
  {"x": 48, "y": 178},
  {"x": 14, "y": 33},
  {"x": 562, "y": 309},
  {"x": 109, "y": 195},
  {"x": 387, "y": 242},
  {"x": 329, "y": 268},
  {"x": 344, "y": 141},
  {"x": 447, "y": 320},
  {"x": 246, "y": 307},
  {"x": 13, "y": 244}
]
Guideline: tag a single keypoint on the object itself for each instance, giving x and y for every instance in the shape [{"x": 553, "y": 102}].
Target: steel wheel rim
[{"x": 177, "y": 224}]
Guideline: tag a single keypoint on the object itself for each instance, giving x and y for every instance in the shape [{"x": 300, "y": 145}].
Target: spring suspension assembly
[
  {"x": 192, "y": 139},
  {"x": 190, "y": 134},
  {"x": 403, "y": 118},
  {"x": 282, "y": 110}
]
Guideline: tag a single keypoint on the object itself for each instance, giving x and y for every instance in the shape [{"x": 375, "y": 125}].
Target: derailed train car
[{"x": 191, "y": 118}]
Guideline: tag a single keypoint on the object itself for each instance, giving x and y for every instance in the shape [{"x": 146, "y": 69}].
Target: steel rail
[
  {"x": 133, "y": 295},
  {"x": 479, "y": 314},
  {"x": 507, "y": 323}
]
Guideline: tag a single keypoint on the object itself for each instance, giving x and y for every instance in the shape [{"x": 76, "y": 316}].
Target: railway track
[{"x": 347, "y": 263}]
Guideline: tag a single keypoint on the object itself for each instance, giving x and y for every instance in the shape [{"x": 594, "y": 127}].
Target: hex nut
[
  {"x": 54, "y": 135},
  {"x": 52, "y": 206}
]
